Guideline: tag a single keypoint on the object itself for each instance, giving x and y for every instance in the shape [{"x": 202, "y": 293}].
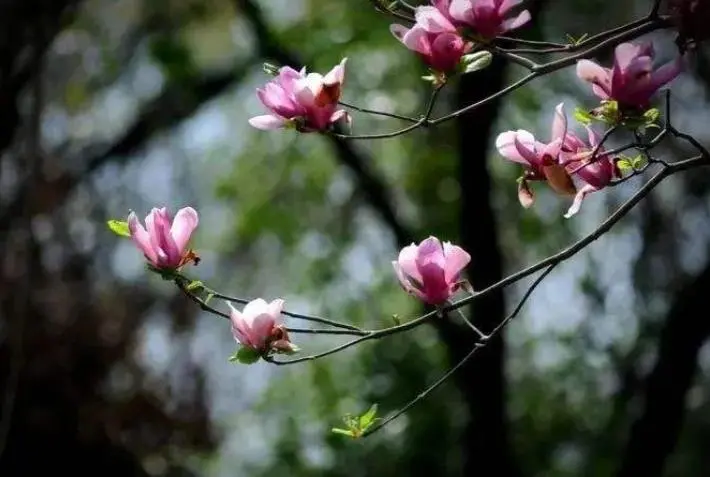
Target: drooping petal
[
  {"x": 578, "y": 199},
  {"x": 526, "y": 152},
  {"x": 505, "y": 143},
  {"x": 184, "y": 223}
]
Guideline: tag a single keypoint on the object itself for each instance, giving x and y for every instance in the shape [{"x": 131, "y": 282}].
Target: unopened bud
[{"x": 476, "y": 61}]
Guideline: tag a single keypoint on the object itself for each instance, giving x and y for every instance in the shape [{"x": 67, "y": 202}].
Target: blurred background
[{"x": 110, "y": 106}]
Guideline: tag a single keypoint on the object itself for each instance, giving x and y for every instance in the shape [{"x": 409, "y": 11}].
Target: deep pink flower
[
  {"x": 431, "y": 270},
  {"x": 489, "y": 18},
  {"x": 540, "y": 160},
  {"x": 164, "y": 241},
  {"x": 307, "y": 100},
  {"x": 434, "y": 38},
  {"x": 632, "y": 81},
  {"x": 258, "y": 326},
  {"x": 595, "y": 173},
  {"x": 566, "y": 159}
]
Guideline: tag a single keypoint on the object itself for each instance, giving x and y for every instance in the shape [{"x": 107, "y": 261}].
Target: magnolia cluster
[
  {"x": 431, "y": 271},
  {"x": 572, "y": 165}
]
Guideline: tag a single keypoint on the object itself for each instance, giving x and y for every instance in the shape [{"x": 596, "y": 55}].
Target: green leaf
[
  {"x": 367, "y": 419},
  {"x": 624, "y": 165},
  {"x": 651, "y": 116},
  {"x": 245, "y": 355},
  {"x": 119, "y": 227},
  {"x": 195, "y": 285},
  {"x": 582, "y": 116},
  {"x": 344, "y": 432}
]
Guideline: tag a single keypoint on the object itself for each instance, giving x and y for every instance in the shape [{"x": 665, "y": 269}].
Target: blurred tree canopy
[{"x": 111, "y": 106}]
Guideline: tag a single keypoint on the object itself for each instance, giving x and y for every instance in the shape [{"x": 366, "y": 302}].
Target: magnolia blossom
[
  {"x": 434, "y": 38},
  {"x": 164, "y": 240},
  {"x": 632, "y": 80},
  {"x": 258, "y": 326},
  {"x": 595, "y": 173},
  {"x": 431, "y": 270},
  {"x": 565, "y": 162},
  {"x": 308, "y": 101},
  {"x": 540, "y": 160},
  {"x": 489, "y": 18}
]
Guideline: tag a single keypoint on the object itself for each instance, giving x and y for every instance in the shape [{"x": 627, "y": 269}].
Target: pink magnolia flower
[
  {"x": 562, "y": 162},
  {"x": 307, "y": 100},
  {"x": 489, "y": 18},
  {"x": 540, "y": 160},
  {"x": 258, "y": 326},
  {"x": 595, "y": 172},
  {"x": 434, "y": 38},
  {"x": 164, "y": 240},
  {"x": 431, "y": 270},
  {"x": 632, "y": 81}
]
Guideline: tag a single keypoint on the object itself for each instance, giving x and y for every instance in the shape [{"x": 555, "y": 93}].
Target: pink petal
[
  {"x": 433, "y": 21},
  {"x": 254, "y": 308},
  {"x": 578, "y": 199},
  {"x": 398, "y": 31},
  {"x": 416, "y": 39},
  {"x": 505, "y": 143},
  {"x": 593, "y": 73},
  {"x": 461, "y": 10},
  {"x": 526, "y": 152},
  {"x": 184, "y": 224},
  {"x": 141, "y": 238},
  {"x": 518, "y": 21},
  {"x": 666, "y": 73},
  {"x": 407, "y": 262},
  {"x": 275, "y": 308},
  {"x": 559, "y": 123},
  {"x": 267, "y": 122},
  {"x": 456, "y": 259},
  {"x": 431, "y": 251},
  {"x": 336, "y": 75}
]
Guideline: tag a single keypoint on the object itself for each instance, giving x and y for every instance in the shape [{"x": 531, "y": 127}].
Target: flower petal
[
  {"x": 505, "y": 143},
  {"x": 578, "y": 199},
  {"x": 456, "y": 260},
  {"x": 140, "y": 237},
  {"x": 267, "y": 122},
  {"x": 184, "y": 223}
]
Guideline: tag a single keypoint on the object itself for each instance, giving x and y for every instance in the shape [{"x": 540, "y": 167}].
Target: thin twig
[{"x": 478, "y": 345}]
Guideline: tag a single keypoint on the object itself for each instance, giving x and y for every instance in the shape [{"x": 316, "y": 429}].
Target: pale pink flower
[
  {"x": 164, "y": 240},
  {"x": 308, "y": 101},
  {"x": 540, "y": 160},
  {"x": 431, "y": 270},
  {"x": 633, "y": 80},
  {"x": 258, "y": 326},
  {"x": 434, "y": 38},
  {"x": 488, "y": 18}
]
